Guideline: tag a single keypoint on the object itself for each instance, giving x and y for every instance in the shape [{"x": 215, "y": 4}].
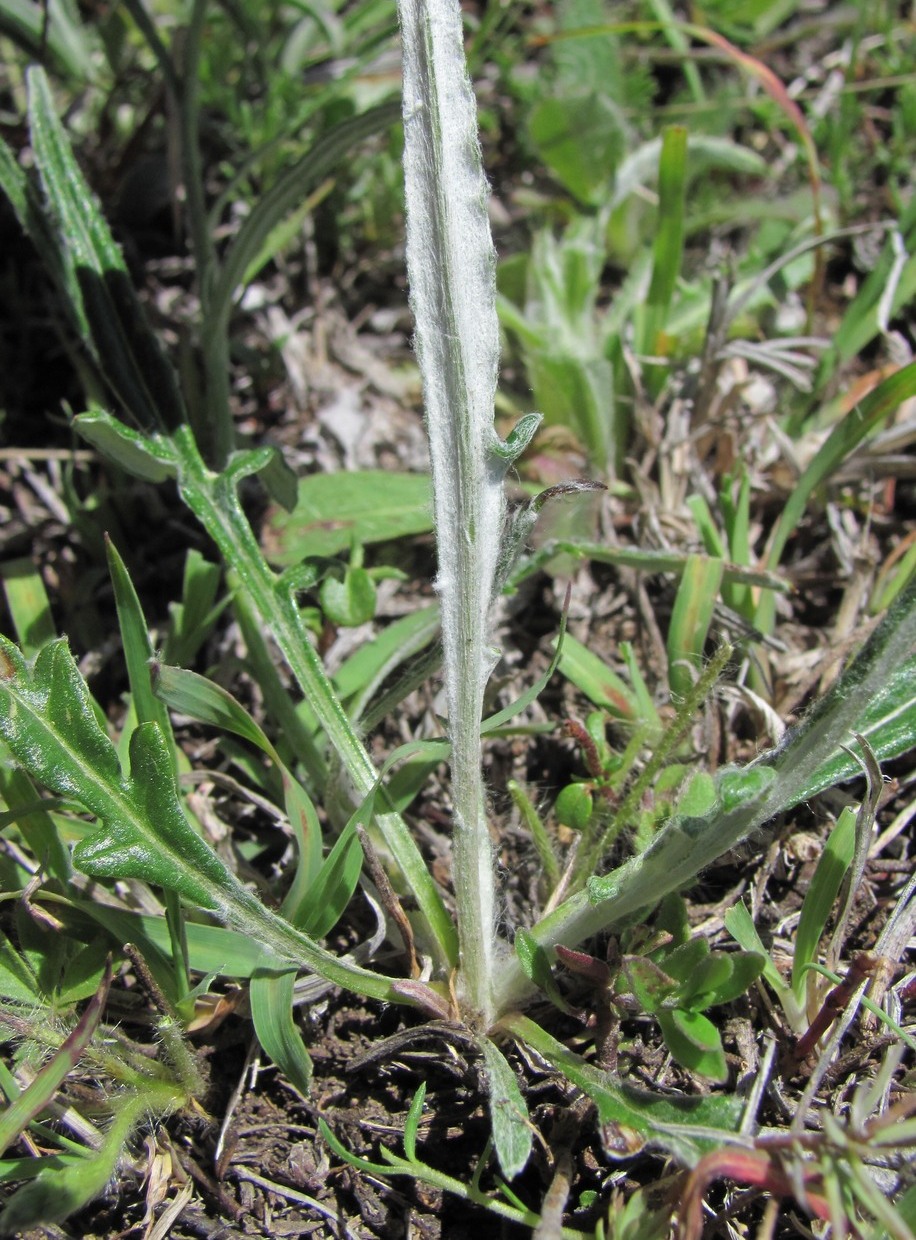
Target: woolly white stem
[{"x": 452, "y": 269}]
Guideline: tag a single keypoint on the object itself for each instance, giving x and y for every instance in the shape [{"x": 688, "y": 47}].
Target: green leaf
[
  {"x": 46, "y": 718},
  {"x": 285, "y": 195},
  {"x": 740, "y": 925},
  {"x": 860, "y": 323},
  {"x": 349, "y": 601},
  {"x": 512, "y": 1131},
  {"x": 515, "y": 443},
  {"x": 745, "y": 968},
  {"x": 364, "y": 671},
  {"x": 335, "y": 510},
  {"x": 596, "y": 680},
  {"x": 194, "y": 695},
  {"x": 684, "y": 1127},
  {"x": 581, "y": 140},
  {"x": 306, "y": 829},
  {"x": 214, "y": 950},
  {"x": 867, "y": 415},
  {"x": 297, "y": 727},
  {"x": 669, "y": 239},
  {"x": 18, "y": 981},
  {"x": 150, "y": 457},
  {"x": 698, "y": 797},
  {"x": 694, "y": 1042},
  {"x": 820, "y": 896},
  {"x": 271, "y": 998},
  {"x": 194, "y": 617},
  {"x": 720, "y": 978},
  {"x": 701, "y": 990},
  {"x": 53, "y": 27},
  {"x": 327, "y": 898},
  {"x": 694, "y": 605},
  {"x": 888, "y": 724},
  {"x": 125, "y": 349},
  {"x": 280, "y": 480},
  {"x": 577, "y": 392},
  {"x": 138, "y": 650},
  {"x": 683, "y": 962},
  {"x": 533, "y": 958},
  {"x": 650, "y": 983},
  {"x": 144, "y": 833},
  {"x": 28, "y": 603},
  {"x": 412, "y": 1123}
]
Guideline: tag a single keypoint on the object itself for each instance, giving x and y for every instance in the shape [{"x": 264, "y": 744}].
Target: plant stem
[
  {"x": 218, "y": 427},
  {"x": 451, "y": 265},
  {"x": 213, "y": 499}
]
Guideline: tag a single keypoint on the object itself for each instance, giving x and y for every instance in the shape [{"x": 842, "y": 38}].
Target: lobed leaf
[{"x": 47, "y": 720}]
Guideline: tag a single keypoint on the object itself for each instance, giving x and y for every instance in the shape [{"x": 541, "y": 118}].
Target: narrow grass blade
[
  {"x": 689, "y": 628},
  {"x": 646, "y": 562},
  {"x": 596, "y": 680},
  {"x": 669, "y": 239},
  {"x": 845, "y": 436},
  {"x": 361, "y": 675},
  {"x": 138, "y": 650},
  {"x": 271, "y": 999},
  {"x": 323, "y": 157},
  {"x": 820, "y": 897},
  {"x": 295, "y": 723},
  {"x": 412, "y": 1123},
  {"x": 332, "y": 890},
  {"x": 36, "y": 823},
  {"x": 536, "y": 831},
  {"x": 737, "y": 517},
  {"x": 306, "y": 829},
  {"x": 194, "y": 617},
  {"x": 28, "y": 603},
  {"x": 194, "y": 695},
  {"x": 862, "y": 320}
]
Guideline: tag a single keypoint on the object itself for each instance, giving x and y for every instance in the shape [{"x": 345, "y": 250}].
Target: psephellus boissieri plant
[
  {"x": 46, "y": 715},
  {"x": 451, "y": 268}
]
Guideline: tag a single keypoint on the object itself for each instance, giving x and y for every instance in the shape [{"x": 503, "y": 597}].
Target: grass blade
[{"x": 271, "y": 998}]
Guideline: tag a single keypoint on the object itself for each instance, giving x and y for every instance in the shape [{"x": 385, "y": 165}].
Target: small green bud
[{"x": 574, "y": 806}]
